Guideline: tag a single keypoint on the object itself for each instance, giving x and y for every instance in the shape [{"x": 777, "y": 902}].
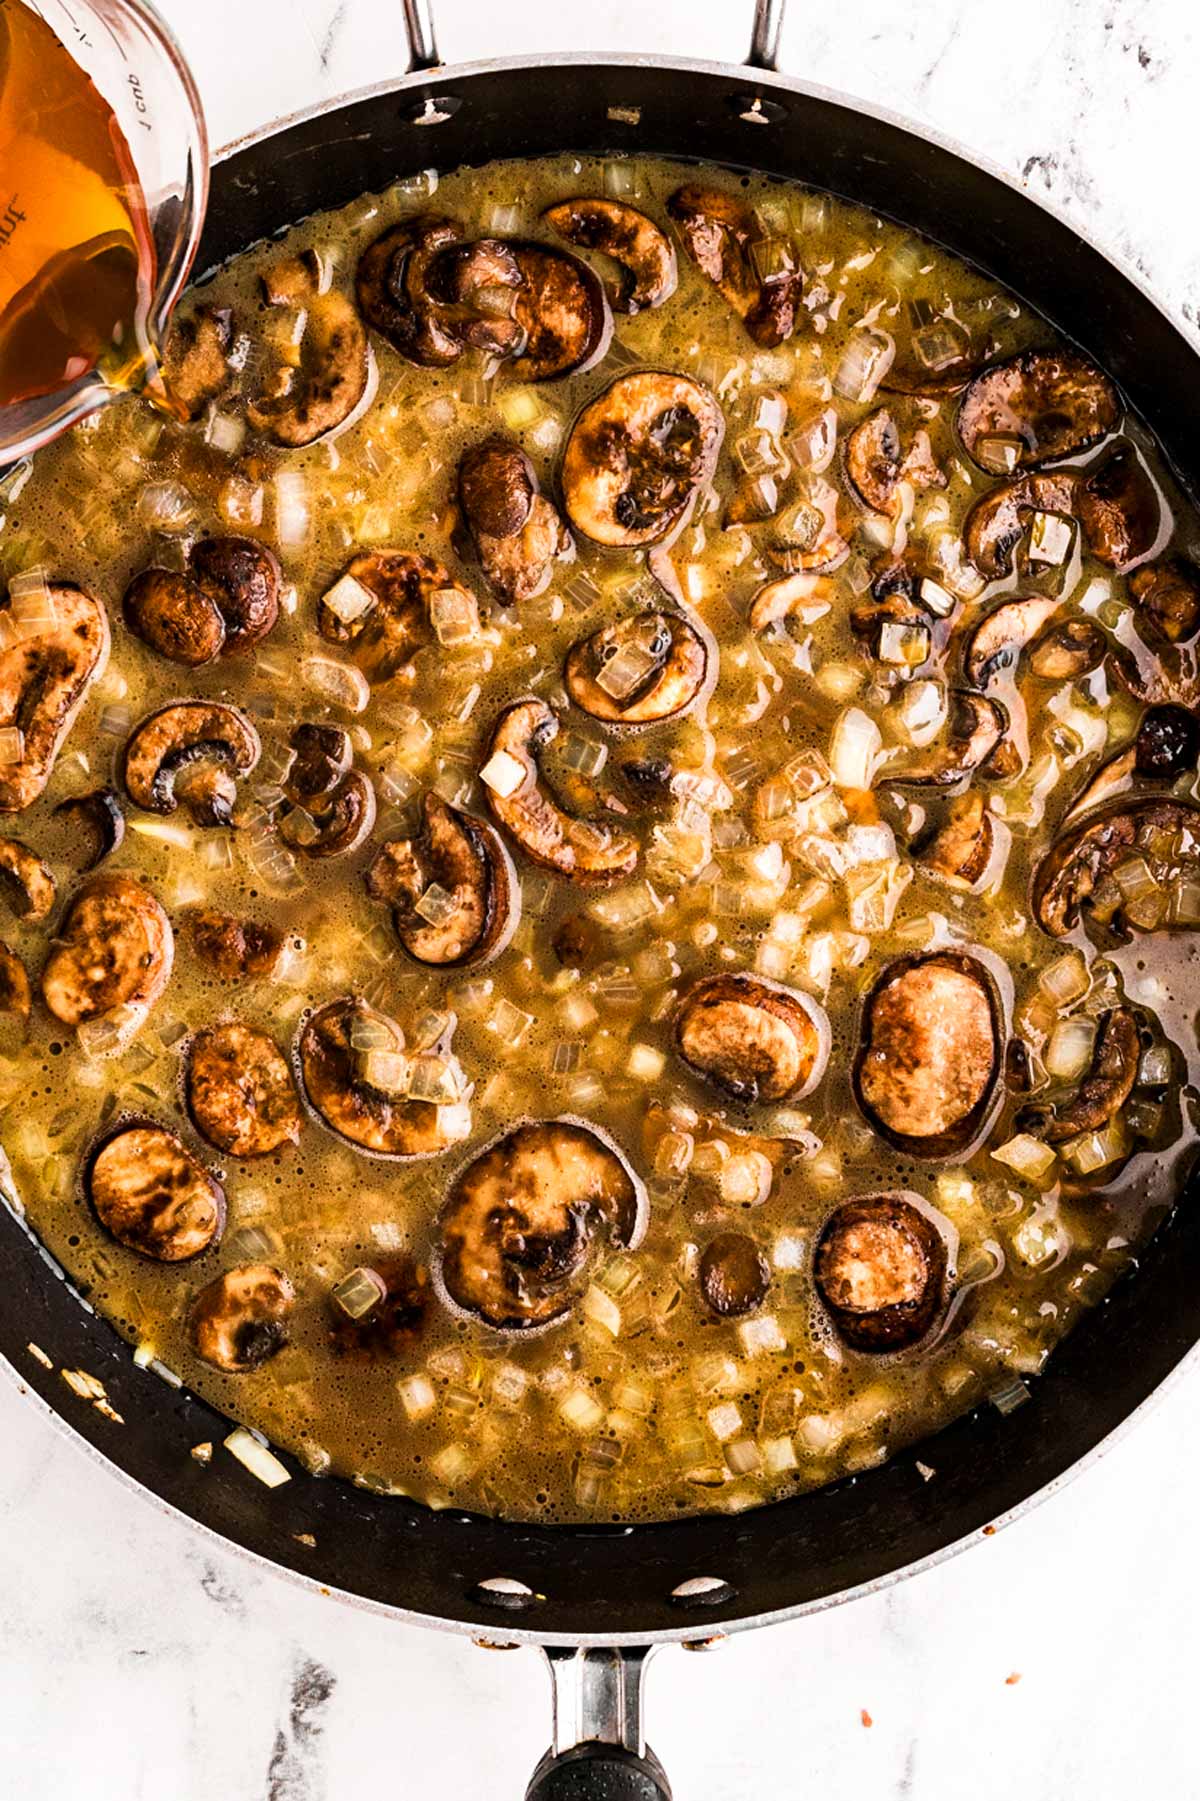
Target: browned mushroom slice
[
  {"x": 644, "y": 253},
  {"x": 44, "y": 678},
  {"x": 517, "y": 1230},
  {"x": 1104, "y": 1089},
  {"x": 99, "y": 814},
  {"x": 996, "y": 524},
  {"x": 515, "y": 529},
  {"x": 1002, "y": 635},
  {"x": 452, "y": 888},
  {"x": 756, "y": 1041},
  {"x": 929, "y": 1052},
  {"x": 114, "y": 949},
  {"x": 882, "y": 1269},
  {"x": 235, "y": 948},
  {"x": 734, "y": 1274},
  {"x": 240, "y": 1321},
  {"x": 420, "y": 287},
  {"x": 1118, "y": 508},
  {"x": 639, "y": 670},
  {"x": 583, "y": 850},
  {"x": 1166, "y": 595},
  {"x": 727, "y": 242},
  {"x": 637, "y": 455},
  {"x": 960, "y": 848},
  {"x": 150, "y": 1194},
  {"x": 385, "y": 1323},
  {"x": 195, "y": 362},
  {"x": 1165, "y": 747},
  {"x": 229, "y": 598},
  {"x": 563, "y": 311},
  {"x": 1069, "y": 650},
  {"x": 345, "y": 1085},
  {"x": 318, "y": 382},
  {"x": 25, "y": 881},
  {"x": 389, "y": 615},
  {"x": 977, "y": 728},
  {"x": 333, "y": 805},
  {"x": 1044, "y": 404},
  {"x": 170, "y": 754},
  {"x": 239, "y": 1091},
  {"x": 16, "y": 995},
  {"x": 877, "y": 462},
  {"x": 174, "y": 616},
  {"x": 1154, "y": 842}
]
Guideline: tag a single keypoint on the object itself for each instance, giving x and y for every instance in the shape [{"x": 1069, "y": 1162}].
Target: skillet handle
[
  {"x": 599, "y": 1753},
  {"x": 423, "y": 53}
]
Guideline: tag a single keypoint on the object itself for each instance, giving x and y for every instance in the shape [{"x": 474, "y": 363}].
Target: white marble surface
[{"x": 136, "y": 1663}]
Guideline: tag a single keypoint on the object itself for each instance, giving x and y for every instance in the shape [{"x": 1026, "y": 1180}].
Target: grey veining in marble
[{"x": 137, "y": 1663}]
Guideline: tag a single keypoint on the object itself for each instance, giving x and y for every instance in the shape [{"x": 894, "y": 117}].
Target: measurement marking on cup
[
  {"x": 10, "y": 219},
  {"x": 139, "y": 101}
]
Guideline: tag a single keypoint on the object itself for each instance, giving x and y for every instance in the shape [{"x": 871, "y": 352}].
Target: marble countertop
[{"x": 1058, "y": 1658}]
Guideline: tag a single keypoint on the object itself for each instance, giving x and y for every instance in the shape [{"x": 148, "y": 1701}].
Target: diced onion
[
  {"x": 1069, "y": 1048},
  {"x": 256, "y": 1457},
  {"x": 348, "y": 600},
  {"x": 854, "y": 749},
  {"x": 1066, "y": 979},
  {"x": 1028, "y": 1156},
  {"x": 503, "y": 774}
]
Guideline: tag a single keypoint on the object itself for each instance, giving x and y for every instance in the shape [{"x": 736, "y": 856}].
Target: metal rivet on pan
[
  {"x": 434, "y": 109},
  {"x": 757, "y": 111},
  {"x": 505, "y": 1592},
  {"x": 703, "y": 1591}
]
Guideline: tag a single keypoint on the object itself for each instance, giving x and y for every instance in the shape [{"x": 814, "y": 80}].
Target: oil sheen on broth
[{"x": 818, "y": 816}]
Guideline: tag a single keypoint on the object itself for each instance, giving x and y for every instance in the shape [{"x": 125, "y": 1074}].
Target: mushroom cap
[
  {"x": 114, "y": 949},
  {"x": 578, "y": 849},
  {"x": 756, "y": 1040},
  {"x": 402, "y": 585},
  {"x": 391, "y": 1327},
  {"x": 1053, "y": 403},
  {"x": 996, "y": 523},
  {"x": 642, "y": 251},
  {"x": 174, "y": 739},
  {"x": 882, "y": 1269},
  {"x": 637, "y": 455},
  {"x": 25, "y": 880},
  {"x": 1104, "y": 1089},
  {"x": 239, "y": 1322},
  {"x": 734, "y": 1274},
  {"x": 235, "y": 948},
  {"x": 100, "y": 812},
  {"x": 1166, "y": 597},
  {"x": 876, "y": 462},
  {"x": 331, "y": 1080},
  {"x": 44, "y": 679},
  {"x": 563, "y": 310},
  {"x": 929, "y": 1053},
  {"x": 195, "y": 361},
  {"x": 1085, "y": 855},
  {"x": 959, "y": 849},
  {"x": 668, "y": 666},
  {"x": 1072, "y": 648},
  {"x": 516, "y": 532},
  {"x": 239, "y": 1091},
  {"x": 1001, "y": 635},
  {"x": 719, "y": 231},
  {"x": 151, "y": 1195},
  {"x": 323, "y": 390},
  {"x": 465, "y": 858},
  {"x": 516, "y": 1232}
]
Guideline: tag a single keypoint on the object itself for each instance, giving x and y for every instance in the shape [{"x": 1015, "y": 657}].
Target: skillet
[{"x": 598, "y": 1599}]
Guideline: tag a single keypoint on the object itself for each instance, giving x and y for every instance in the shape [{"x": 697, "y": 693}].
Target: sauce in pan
[{"x": 641, "y": 955}]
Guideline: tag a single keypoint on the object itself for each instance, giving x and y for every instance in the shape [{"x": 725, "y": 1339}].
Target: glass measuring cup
[{"x": 103, "y": 186}]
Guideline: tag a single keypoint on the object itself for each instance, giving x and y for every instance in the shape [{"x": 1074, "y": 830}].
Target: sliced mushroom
[
  {"x": 424, "y": 303},
  {"x": 882, "y": 1269},
  {"x": 333, "y": 804},
  {"x": 1046, "y": 403},
  {"x": 562, "y": 308},
  {"x": 240, "y": 1321},
  {"x": 239, "y": 1091},
  {"x": 113, "y": 951},
  {"x": 1067, "y": 651},
  {"x": 44, "y": 679},
  {"x": 341, "y": 1085},
  {"x": 1105, "y": 1087},
  {"x": 929, "y": 1052},
  {"x": 580, "y": 849},
  {"x": 515, "y": 529},
  {"x": 977, "y": 726},
  {"x": 641, "y": 669},
  {"x": 734, "y": 1274},
  {"x": 722, "y": 235},
  {"x": 195, "y": 363},
  {"x": 644, "y": 253},
  {"x": 150, "y": 1194},
  {"x": 1118, "y": 509},
  {"x": 25, "y": 881},
  {"x": 516, "y": 1233},
  {"x": 235, "y": 948},
  {"x": 401, "y": 586},
  {"x": 183, "y": 751},
  {"x": 959, "y": 849},
  {"x": 1165, "y": 747},
  {"x": 893, "y": 604},
  {"x": 390, "y": 1326},
  {"x": 320, "y": 380},
  {"x": 16, "y": 995},
  {"x": 996, "y": 524},
  {"x": 1077, "y": 872},
  {"x": 757, "y": 1041},
  {"x": 98, "y": 813},
  {"x": 1166, "y": 595},
  {"x": 637, "y": 455},
  {"x": 1000, "y": 637},
  {"x": 228, "y": 599},
  {"x": 452, "y": 888},
  {"x": 877, "y": 462}
]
